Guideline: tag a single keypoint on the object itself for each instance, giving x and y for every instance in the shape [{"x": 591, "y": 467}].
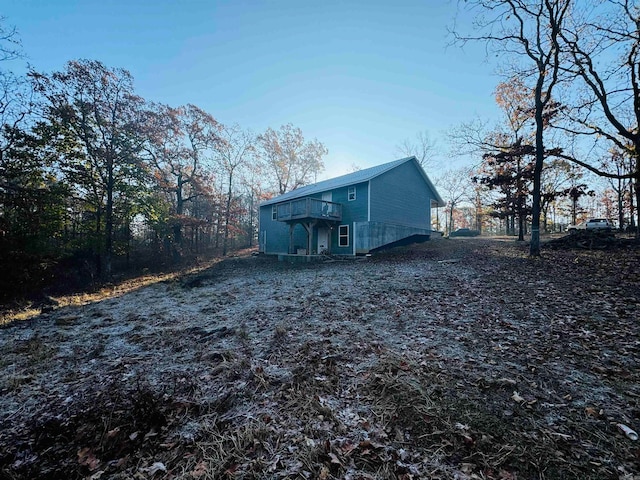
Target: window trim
[
  {"x": 351, "y": 190},
  {"x": 343, "y": 236},
  {"x": 274, "y": 212}
]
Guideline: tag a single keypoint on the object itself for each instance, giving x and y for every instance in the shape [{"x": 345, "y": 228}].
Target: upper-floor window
[
  {"x": 351, "y": 195},
  {"x": 274, "y": 212}
]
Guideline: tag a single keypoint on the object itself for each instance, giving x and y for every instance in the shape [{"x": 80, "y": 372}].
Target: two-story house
[{"x": 352, "y": 214}]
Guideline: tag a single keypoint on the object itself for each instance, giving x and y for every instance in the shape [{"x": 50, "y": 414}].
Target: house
[{"x": 352, "y": 214}]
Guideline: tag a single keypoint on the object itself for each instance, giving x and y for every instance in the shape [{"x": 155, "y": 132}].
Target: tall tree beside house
[
  {"x": 180, "y": 144},
  {"x": 254, "y": 191},
  {"x": 234, "y": 152},
  {"x": 516, "y": 101},
  {"x": 507, "y": 154},
  {"x": 510, "y": 161},
  {"x": 528, "y": 31},
  {"x": 95, "y": 118},
  {"x": 289, "y": 160},
  {"x": 509, "y": 171}
]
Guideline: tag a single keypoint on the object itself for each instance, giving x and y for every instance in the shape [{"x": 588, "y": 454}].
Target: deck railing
[{"x": 308, "y": 208}]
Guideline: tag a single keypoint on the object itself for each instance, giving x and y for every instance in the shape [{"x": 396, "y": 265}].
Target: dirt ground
[{"x": 454, "y": 359}]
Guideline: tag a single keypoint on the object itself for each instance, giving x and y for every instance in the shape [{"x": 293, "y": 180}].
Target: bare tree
[
  {"x": 528, "y": 31},
  {"x": 234, "y": 152},
  {"x": 10, "y": 46},
  {"x": 16, "y": 93},
  {"x": 422, "y": 147},
  {"x": 455, "y": 186},
  {"x": 605, "y": 52}
]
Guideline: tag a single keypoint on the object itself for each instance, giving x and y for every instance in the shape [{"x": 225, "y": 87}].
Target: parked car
[
  {"x": 592, "y": 224},
  {"x": 464, "y": 232}
]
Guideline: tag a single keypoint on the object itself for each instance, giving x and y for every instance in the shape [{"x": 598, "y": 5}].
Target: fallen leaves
[
  {"x": 492, "y": 367},
  {"x": 87, "y": 458}
]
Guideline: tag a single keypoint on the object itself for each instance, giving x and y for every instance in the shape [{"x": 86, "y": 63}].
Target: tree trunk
[
  {"x": 251, "y": 220},
  {"x": 620, "y": 192},
  {"x": 108, "y": 220},
  {"x": 478, "y": 213},
  {"x": 177, "y": 227},
  {"x": 227, "y": 216},
  {"x": 520, "y": 225},
  {"x": 451, "y": 220},
  {"x": 98, "y": 242},
  {"x": 519, "y": 198},
  {"x": 632, "y": 219},
  {"x": 534, "y": 247},
  {"x": 638, "y": 201}
]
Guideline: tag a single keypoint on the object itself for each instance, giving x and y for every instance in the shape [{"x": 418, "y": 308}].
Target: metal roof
[{"x": 351, "y": 179}]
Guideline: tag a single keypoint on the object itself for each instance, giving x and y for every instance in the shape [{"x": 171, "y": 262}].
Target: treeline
[
  {"x": 95, "y": 179},
  {"x": 578, "y": 62},
  {"x": 496, "y": 195}
]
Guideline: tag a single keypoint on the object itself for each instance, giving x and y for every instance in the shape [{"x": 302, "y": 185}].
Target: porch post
[
  {"x": 308, "y": 226},
  {"x": 291, "y": 227}
]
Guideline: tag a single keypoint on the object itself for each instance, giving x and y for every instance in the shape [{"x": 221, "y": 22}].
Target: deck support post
[
  {"x": 308, "y": 226},
  {"x": 291, "y": 227}
]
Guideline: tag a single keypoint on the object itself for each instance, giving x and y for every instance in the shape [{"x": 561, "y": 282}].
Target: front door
[{"x": 323, "y": 240}]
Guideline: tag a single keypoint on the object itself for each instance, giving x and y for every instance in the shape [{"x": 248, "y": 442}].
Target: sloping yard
[{"x": 455, "y": 359}]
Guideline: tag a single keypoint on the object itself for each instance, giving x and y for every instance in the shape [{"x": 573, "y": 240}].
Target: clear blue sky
[{"x": 360, "y": 76}]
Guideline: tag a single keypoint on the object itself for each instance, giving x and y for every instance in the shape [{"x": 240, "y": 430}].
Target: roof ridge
[{"x": 358, "y": 176}]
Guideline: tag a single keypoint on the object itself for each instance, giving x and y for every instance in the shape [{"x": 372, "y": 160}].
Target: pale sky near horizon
[{"x": 360, "y": 76}]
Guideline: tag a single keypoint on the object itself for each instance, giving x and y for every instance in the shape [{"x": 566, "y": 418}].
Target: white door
[{"x": 323, "y": 239}]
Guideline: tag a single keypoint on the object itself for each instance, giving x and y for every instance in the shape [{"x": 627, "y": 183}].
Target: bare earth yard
[{"x": 455, "y": 359}]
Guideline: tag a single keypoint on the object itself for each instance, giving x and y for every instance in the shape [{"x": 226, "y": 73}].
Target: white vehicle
[{"x": 592, "y": 224}]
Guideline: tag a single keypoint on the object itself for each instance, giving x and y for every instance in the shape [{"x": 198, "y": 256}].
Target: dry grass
[
  {"x": 8, "y": 316},
  {"x": 406, "y": 366}
]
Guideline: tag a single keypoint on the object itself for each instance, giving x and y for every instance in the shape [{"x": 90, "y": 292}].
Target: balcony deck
[{"x": 308, "y": 208}]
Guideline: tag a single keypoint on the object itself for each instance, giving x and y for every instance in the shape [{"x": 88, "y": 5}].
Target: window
[
  {"x": 343, "y": 235},
  {"x": 274, "y": 212},
  {"x": 351, "y": 195}
]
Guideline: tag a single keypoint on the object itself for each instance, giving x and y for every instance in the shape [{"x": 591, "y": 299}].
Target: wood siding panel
[
  {"x": 354, "y": 211},
  {"x": 401, "y": 196},
  {"x": 278, "y": 233}
]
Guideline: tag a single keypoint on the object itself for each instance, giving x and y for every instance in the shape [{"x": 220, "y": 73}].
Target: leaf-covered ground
[{"x": 455, "y": 359}]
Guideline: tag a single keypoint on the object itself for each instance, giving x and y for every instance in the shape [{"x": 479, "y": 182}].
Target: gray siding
[
  {"x": 370, "y": 235},
  {"x": 352, "y": 211},
  {"x": 401, "y": 197},
  {"x": 399, "y": 200},
  {"x": 277, "y": 234}
]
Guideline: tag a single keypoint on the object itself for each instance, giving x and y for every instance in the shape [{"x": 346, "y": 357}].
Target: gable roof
[{"x": 351, "y": 179}]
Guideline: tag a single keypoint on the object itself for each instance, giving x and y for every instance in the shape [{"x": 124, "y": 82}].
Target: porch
[
  {"x": 315, "y": 215},
  {"x": 306, "y": 209}
]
